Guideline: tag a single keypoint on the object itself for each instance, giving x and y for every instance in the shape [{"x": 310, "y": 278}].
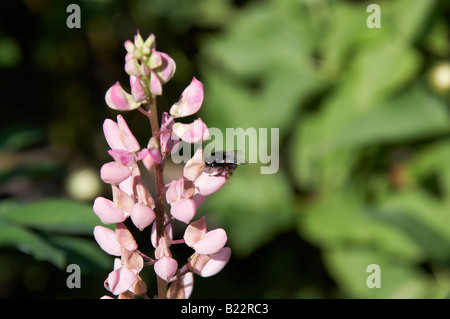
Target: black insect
[{"x": 224, "y": 162}]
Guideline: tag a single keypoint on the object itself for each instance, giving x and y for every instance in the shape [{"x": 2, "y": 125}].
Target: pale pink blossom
[
  {"x": 203, "y": 242},
  {"x": 167, "y": 139},
  {"x": 155, "y": 84},
  {"x": 183, "y": 210},
  {"x": 119, "y": 136},
  {"x": 190, "y": 101},
  {"x": 106, "y": 239},
  {"x": 137, "y": 89},
  {"x": 107, "y": 211},
  {"x": 194, "y": 132},
  {"x": 114, "y": 173},
  {"x": 120, "y": 280},
  {"x": 205, "y": 180},
  {"x": 167, "y": 68},
  {"x": 142, "y": 216},
  {"x": 166, "y": 267},
  {"x": 209, "y": 265},
  {"x": 183, "y": 286},
  {"x": 118, "y": 99}
]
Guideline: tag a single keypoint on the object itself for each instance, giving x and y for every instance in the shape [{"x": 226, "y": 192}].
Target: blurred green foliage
[{"x": 364, "y": 146}]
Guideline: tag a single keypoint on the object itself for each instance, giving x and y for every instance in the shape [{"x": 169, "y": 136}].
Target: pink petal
[
  {"x": 167, "y": 139},
  {"x": 106, "y": 239},
  {"x": 179, "y": 189},
  {"x": 191, "y": 133},
  {"x": 188, "y": 284},
  {"x": 114, "y": 173},
  {"x": 155, "y": 59},
  {"x": 137, "y": 89},
  {"x": 125, "y": 238},
  {"x": 183, "y": 210},
  {"x": 206, "y": 184},
  {"x": 199, "y": 199},
  {"x": 120, "y": 280},
  {"x": 142, "y": 216},
  {"x": 129, "y": 46},
  {"x": 216, "y": 263},
  {"x": 212, "y": 243},
  {"x": 150, "y": 157},
  {"x": 166, "y": 267},
  {"x": 128, "y": 139},
  {"x": 111, "y": 131},
  {"x": 122, "y": 157},
  {"x": 107, "y": 211},
  {"x": 122, "y": 200},
  {"x": 190, "y": 101},
  {"x": 132, "y": 260},
  {"x": 182, "y": 288},
  {"x": 194, "y": 166},
  {"x": 155, "y": 84},
  {"x": 118, "y": 99},
  {"x": 131, "y": 64},
  {"x": 167, "y": 68},
  {"x": 195, "y": 232}
]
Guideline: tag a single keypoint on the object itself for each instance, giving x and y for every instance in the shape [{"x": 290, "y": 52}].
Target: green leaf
[
  {"x": 398, "y": 280},
  {"x": 81, "y": 251},
  {"x": 425, "y": 219},
  {"x": 251, "y": 214},
  {"x": 29, "y": 242},
  {"x": 55, "y": 215},
  {"x": 342, "y": 219},
  {"x": 330, "y": 134}
]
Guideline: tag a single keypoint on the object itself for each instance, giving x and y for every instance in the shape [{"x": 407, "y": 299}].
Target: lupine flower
[
  {"x": 190, "y": 101},
  {"x": 149, "y": 70},
  {"x": 118, "y": 99},
  {"x": 203, "y": 242},
  {"x": 194, "y": 132},
  {"x": 209, "y": 265}
]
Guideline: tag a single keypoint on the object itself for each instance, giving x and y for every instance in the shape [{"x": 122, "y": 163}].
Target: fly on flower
[{"x": 224, "y": 162}]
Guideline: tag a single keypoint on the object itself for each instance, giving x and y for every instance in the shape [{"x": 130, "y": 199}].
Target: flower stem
[{"x": 159, "y": 209}]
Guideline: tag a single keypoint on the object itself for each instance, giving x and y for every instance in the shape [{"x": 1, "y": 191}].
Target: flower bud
[
  {"x": 183, "y": 210},
  {"x": 142, "y": 216},
  {"x": 131, "y": 64},
  {"x": 137, "y": 90},
  {"x": 155, "y": 84},
  {"x": 166, "y": 267}
]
